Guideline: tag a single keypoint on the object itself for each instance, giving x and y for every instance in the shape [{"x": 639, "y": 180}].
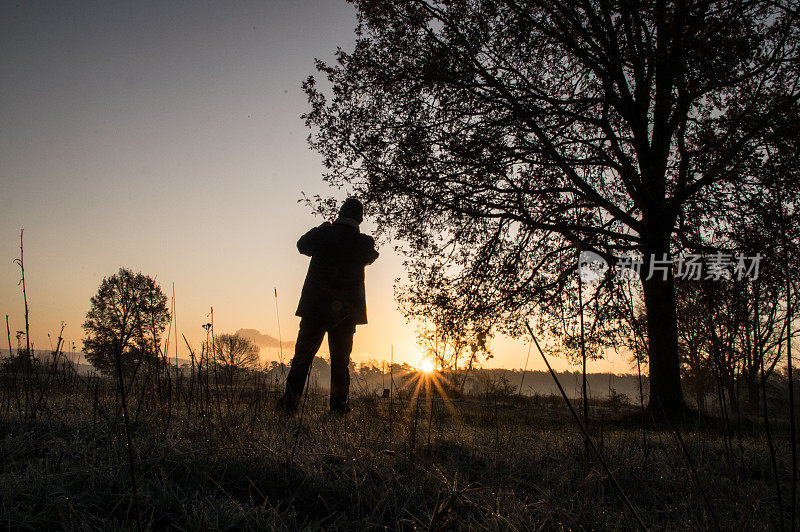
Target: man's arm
[
  {"x": 307, "y": 245},
  {"x": 370, "y": 253}
]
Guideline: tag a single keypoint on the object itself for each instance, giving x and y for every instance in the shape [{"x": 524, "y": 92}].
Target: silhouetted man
[{"x": 333, "y": 301}]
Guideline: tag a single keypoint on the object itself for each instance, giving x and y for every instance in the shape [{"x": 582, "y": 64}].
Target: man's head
[{"x": 352, "y": 208}]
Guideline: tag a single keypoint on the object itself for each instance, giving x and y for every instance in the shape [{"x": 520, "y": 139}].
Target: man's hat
[{"x": 352, "y": 208}]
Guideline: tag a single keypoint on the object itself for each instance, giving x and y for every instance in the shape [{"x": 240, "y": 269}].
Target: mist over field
[{"x": 370, "y": 378}]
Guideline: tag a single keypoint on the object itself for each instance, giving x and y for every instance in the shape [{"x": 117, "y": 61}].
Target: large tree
[
  {"x": 498, "y": 137},
  {"x": 126, "y": 318}
]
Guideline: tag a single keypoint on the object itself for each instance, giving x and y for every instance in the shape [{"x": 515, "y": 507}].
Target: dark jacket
[{"x": 334, "y": 287}]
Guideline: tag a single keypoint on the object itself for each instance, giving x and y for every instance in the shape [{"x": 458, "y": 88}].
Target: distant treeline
[{"x": 373, "y": 378}]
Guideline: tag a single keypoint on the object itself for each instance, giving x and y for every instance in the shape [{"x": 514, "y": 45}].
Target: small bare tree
[{"x": 233, "y": 354}]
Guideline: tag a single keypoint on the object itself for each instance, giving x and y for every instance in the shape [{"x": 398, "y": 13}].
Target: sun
[{"x": 427, "y": 366}]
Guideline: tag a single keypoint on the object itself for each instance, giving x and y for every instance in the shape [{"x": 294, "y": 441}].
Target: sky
[{"x": 166, "y": 137}]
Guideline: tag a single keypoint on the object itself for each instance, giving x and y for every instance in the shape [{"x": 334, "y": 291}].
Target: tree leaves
[{"x": 128, "y": 311}]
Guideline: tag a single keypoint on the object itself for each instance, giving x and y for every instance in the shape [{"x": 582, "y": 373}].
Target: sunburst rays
[{"x": 430, "y": 382}]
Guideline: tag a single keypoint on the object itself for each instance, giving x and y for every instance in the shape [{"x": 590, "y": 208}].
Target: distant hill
[
  {"x": 262, "y": 340},
  {"x": 77, "y": 359}
]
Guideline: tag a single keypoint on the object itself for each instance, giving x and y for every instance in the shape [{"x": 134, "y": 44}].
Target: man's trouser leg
[
  {"x": 309, "y": 338},
  {"x": 340, "y": 344}
]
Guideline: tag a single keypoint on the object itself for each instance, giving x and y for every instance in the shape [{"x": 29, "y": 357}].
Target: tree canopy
[
  {"x": 496, "y": 138},
  {"x": 127, "y": 316}
]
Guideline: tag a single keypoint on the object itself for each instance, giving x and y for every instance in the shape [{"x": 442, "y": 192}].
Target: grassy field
[{"x": 211, "y": 455}]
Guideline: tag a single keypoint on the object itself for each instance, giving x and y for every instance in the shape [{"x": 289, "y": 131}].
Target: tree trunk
[
  {"x": 700, "y": 399},
  {"x": 662, "y": 333},
  {"x": 752, "y": 393}
]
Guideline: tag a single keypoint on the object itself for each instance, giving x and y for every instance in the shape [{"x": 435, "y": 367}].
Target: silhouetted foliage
[
  {"x": 126, "y": 316},
  {"x": 233, "y": 353},
  {"x": 498, "y": 137},
  {"x": 730, "y": 329}
]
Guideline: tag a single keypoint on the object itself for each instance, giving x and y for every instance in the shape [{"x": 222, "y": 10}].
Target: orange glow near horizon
[{"x": 427, "y": 366}]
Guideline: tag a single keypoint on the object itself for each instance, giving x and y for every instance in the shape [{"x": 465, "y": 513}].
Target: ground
[{"x": 219, "y": 457}]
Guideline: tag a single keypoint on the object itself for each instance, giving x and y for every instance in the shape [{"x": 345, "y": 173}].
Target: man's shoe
[{"x": 286, "y": 405}]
